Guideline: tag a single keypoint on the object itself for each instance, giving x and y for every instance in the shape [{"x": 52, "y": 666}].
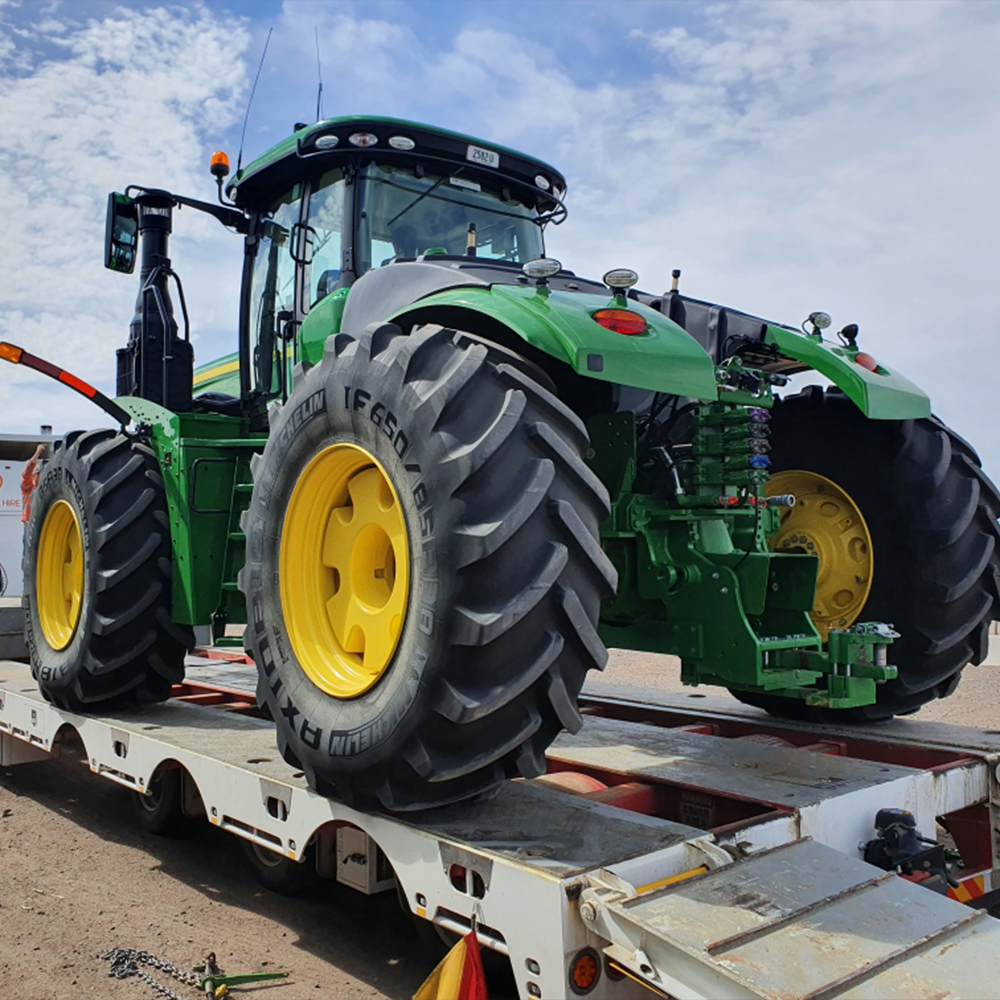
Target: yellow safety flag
[{"x": 458, "y": 976}]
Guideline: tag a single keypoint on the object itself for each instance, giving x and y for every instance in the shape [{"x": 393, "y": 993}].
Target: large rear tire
[
  {"x": 97, "y": 576},
  {"x": 423, "y": 574},
  {"x": 932, "y": 515}
]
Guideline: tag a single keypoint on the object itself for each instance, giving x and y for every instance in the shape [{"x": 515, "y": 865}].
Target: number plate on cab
[{"x": 485, "y": 157}]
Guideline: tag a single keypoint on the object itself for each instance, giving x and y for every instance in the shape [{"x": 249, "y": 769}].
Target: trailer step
[{"x": 801, "y": 920}]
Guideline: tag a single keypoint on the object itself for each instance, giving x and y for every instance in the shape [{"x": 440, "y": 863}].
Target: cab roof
[{"x": 282, "y": 164}]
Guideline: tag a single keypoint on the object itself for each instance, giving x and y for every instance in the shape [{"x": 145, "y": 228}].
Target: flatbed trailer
[{"x": 706, "y": 850}]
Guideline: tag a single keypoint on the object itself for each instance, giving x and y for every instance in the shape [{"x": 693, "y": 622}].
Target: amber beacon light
[{"x": 219, "y": 164}]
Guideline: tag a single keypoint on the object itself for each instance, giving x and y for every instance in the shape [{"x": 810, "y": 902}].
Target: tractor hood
[{"x": 557, "y": 319}]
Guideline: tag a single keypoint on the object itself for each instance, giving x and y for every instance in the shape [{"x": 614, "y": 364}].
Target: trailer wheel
[
  {"x": 280, "y": 874},
  {"x": 930, "y": 512},
  {"x": 423, "y": 573},
  {"x": 160, "y": 810},
  {"x": 97, "y": 576}
]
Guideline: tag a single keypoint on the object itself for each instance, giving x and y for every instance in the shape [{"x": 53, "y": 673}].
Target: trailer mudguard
[{"x": 881, "y": 394}]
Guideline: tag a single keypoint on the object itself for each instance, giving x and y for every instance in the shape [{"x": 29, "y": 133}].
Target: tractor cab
[
  {"x": 331, "y": 204},
  {"x": 350, "y": 195}
]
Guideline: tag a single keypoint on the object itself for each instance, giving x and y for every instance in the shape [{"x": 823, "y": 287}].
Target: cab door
[{"x": 275, "y": 299}]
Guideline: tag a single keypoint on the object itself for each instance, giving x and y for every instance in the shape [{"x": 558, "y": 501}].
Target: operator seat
[
  {"x": 217, "y": 402},
  {"x": 327, "y": 283}
]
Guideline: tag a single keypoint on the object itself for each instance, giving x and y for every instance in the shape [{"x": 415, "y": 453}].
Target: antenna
[
  {"x": 253, "y": 90},
  {"x": 319, "y": 75}
]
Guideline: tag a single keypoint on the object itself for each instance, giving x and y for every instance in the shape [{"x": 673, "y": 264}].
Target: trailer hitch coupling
[{"x": 899, "y": 846}]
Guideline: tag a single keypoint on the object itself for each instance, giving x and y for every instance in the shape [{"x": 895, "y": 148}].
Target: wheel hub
[
  {"x": 827, "y": 523},
  {"x": 59, "y": 575},
  {"x": 344, "y": 570}
]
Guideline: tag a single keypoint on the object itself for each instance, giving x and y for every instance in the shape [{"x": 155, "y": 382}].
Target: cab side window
[{"x": 326, "y": 225}]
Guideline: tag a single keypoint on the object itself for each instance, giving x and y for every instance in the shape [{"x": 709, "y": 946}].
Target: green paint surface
[
  {"x": 664, "y": 359},
  {"x": 204, "y": 458},
  {"x": 881, "y": 395}
]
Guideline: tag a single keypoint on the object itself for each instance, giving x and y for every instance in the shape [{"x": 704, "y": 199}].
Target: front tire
[
  {"x": 478, "y": 664},
  {"x": 97, "y": 576},
  {"x": 932, "y": 516}
]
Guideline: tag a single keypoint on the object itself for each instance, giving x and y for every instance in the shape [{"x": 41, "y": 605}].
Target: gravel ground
[{"x": 78, "y": 876}]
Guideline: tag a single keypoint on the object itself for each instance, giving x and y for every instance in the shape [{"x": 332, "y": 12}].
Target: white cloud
[
  {"x": 800, "y": 156},
  {"x": 787, "y": 156},
  {"x": 127, "y": 98}
]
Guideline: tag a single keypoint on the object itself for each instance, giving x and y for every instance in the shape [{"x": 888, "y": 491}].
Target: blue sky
[{"x": 787, "y": 156}]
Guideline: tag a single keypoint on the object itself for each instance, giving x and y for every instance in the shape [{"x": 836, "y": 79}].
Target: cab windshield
[{"x": 402, "y": 216}]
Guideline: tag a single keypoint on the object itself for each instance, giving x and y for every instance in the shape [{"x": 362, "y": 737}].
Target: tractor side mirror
[{"x": 121, "y": 233}]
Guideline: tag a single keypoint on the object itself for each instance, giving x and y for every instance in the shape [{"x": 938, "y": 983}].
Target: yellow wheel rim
[
  {"x": 59, "y": 575},
  {"x": 825, "y": 521},
  {"x": 344, "y": 570}
]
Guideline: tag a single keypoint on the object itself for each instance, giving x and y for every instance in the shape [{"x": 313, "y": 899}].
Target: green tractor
[{"x": 442, "y": 473}]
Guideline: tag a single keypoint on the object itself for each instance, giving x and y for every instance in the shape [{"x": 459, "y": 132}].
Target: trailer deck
[{"x": 716, "y": 853}]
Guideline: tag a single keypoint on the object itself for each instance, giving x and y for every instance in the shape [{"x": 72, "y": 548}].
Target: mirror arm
[{"x": 227, "y": 216}]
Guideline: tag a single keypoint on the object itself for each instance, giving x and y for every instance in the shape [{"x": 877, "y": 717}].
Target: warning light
[
  {"x": 219, "y": 164},
  {"x": 866, "y": 361},
  {"x": 621, "y": 321},
  {"x": 10, "y": 352},
  {"x": 584, "y": 971}
]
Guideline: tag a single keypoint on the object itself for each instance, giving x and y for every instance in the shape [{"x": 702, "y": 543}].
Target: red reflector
[
  {"x": 866, "y": 361},
  {"x": 621, "y": 321},
  {"x": 78, "y": 384}
]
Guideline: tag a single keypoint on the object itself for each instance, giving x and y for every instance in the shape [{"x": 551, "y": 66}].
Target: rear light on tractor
[
  {"x": 866, "y": 361},
  {"x": 621, "y": 321}
]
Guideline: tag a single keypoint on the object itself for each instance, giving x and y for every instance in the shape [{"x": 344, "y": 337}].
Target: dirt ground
[{"x": 79, "y": 876}]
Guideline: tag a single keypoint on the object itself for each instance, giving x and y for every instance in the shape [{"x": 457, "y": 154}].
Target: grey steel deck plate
[
  {"x": 806, "y": 921},
  {"x": 781, "y": 776}
]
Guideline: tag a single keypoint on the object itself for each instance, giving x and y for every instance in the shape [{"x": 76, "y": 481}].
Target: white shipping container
[{"x": 11, "y": 529}]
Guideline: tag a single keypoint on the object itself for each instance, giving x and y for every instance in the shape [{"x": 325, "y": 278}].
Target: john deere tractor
[{"x": 442, "y": 473}]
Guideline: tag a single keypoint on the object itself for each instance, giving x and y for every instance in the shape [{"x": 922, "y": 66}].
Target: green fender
[
  {"x": 664, "y": 359},
  {"x": 560, "y": 324},
  {"x": 881, "y": 394}
]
